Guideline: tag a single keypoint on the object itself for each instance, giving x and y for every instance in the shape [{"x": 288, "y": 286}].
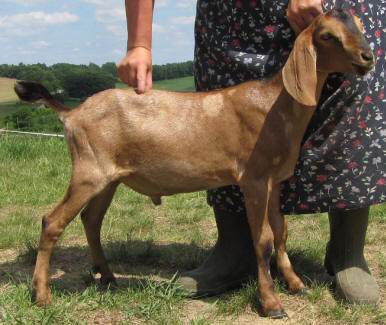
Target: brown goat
[{"x": 163, "y": 143}]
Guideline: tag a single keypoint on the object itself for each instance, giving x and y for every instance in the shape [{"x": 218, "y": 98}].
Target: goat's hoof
[
  {"x": 40, "y": 301},
  {"x": 277, "y": 314},
  {"x": 109, "y": 283},
  {"x": 96, "y": 269},
  {"x": 300, "y": 291}
]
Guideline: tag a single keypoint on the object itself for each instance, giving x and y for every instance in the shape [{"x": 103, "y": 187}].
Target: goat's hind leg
[
  {"x": 92, "y": 217},
  {"x": 53, "y": 224},
  {"x": 278, "y": 224}
]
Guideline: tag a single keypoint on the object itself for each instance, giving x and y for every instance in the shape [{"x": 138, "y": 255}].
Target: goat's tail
[{"x": 34, "y": 92}]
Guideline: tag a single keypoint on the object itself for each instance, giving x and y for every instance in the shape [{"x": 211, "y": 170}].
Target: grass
[
  {"x": 152, "y": 301},
  {"x": 146, "y": 245}
]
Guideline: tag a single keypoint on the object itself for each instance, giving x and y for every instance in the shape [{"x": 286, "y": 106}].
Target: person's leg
[
  {"x": 345, "y": 260},
  {"x": 231, "y": 262}
]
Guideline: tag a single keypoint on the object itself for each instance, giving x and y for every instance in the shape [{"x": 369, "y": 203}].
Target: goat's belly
[{"x": 169, "y": 183}]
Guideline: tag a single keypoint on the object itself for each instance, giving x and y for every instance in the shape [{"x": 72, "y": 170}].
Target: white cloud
[
  {"x": 107, "y": 3},
  {"x": 119, "y": 31},
  {"x": 110, "y": 15},
  {"x": 29, "y": 2},
  {"x": 184, "y": 42},
  {"x": 37, "y": 18},
  {"x": 118, "y": 53},
  {"x": 96, "y": 2},
  {"x": 25, "y": 52},
  {"x": 184, "y": 4},
  {"x": 161, "y": 3},
  {"x": 22, "y": 31},
  {"x": 40, "y": 44},
  {"x": 75, "y": 49},
  {"x": 182, "y": 20},
  {"x": 158, "y": 28}
]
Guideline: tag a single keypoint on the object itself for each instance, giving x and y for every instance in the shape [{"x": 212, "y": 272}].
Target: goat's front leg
[
  {"x": 53, "y": 225},
  {"x": 92, "y": 217},
  {"x": 278, "y": 224},
  {"x": 257, "y": 196}
]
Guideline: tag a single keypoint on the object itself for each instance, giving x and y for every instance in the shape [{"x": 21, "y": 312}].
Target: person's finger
[
  {"x": 300, "y": 14},
  {"x": 149, "y": 80},
  {"x": 141, "y": 79},
  {"x": 315, "y": 12},
  {"x": 132, "y": 77},
  {"x": 307, "y": 19},
  {"x": 296, "y": 24},
  {"x": 122, "y": 73}
]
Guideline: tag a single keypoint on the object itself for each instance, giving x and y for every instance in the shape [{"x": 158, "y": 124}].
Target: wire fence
[{"x": 3, "y": 131}]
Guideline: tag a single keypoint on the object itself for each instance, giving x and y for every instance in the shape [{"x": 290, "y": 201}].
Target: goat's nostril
[{"x": 367, "y": 56}]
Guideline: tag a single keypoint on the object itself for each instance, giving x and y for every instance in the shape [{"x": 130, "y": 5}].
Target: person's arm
[
  {"x": 135, "y": 69},
  {"x": 300, "y": 13}
]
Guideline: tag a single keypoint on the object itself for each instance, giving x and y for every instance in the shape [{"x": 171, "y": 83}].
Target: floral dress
[{"x": 342, "y": 158}]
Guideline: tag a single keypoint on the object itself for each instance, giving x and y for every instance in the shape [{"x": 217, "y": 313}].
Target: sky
[{"x": 84, "y": 31}]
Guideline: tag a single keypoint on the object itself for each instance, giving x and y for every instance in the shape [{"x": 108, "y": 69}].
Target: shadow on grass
[
  {"x": 127, "y": 259},
  {"x": 131, "y": 261}
]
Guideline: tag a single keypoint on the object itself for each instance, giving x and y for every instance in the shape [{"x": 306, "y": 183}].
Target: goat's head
[{"x": 334, "y": 42}]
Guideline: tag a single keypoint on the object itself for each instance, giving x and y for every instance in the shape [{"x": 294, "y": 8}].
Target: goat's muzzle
[{"x": 365, "y": 62}]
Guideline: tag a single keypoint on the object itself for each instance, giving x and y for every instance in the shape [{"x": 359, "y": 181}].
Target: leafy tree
[
  {"x": 111, "y": 68},
  {"x": 172, "y": 70},
  {"x": 11, "y": 71},
  {"x": 21, "y": 118},
  {"x": 35, "y": 118},
  {"x": 60, "y": 70},
  {"x": 93, "y": 67},
  {"x": 82, "y": 83},
  {"x": 38, "y": 74}
]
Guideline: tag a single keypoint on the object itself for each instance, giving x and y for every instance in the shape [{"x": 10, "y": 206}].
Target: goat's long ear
[{"x": 299, "y": 73}]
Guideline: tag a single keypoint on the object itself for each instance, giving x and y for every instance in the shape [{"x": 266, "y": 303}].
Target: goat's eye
[{"x": 326, "y": 36}]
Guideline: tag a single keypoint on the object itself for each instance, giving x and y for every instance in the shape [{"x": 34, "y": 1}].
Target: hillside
[{"x": 6, "y": 90}]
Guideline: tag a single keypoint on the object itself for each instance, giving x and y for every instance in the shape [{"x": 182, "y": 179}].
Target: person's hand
[
  {"x": 135, "y": 69},
  {"x": 300, "y": 13}
]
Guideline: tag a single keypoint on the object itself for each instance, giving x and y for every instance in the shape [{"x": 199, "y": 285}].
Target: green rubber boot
[
  {"x": 345, "y": 260},
  {"x": 231, "y": 263}
]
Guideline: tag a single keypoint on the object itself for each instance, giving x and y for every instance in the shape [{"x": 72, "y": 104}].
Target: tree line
[{"x": 172, "y": 70}]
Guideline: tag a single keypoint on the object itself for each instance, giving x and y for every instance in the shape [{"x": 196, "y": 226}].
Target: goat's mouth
[{"x": 362, "y": 69}]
